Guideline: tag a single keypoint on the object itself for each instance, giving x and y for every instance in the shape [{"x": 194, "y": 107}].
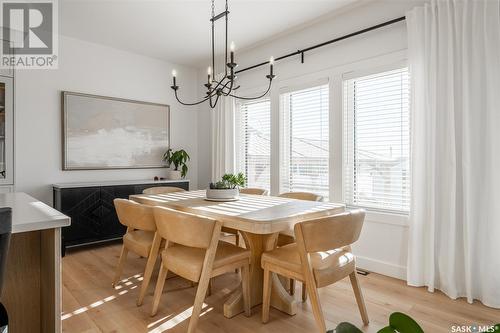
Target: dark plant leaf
[
  {"x": 347, "y": 328},
  {"x": 398, "y": 323},
  {"x": 403, "y": 323},
  {"x": 184, "y": 170},
  {"x": 387, "y": 329}
]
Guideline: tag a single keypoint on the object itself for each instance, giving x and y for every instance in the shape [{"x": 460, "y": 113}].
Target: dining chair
[
  {"x": 140, "y": 238},
  {"x": 286, "y": 238},
  {"x": 254, "y": 191},
  {"x": 193, "y": 251},
  {"x": 302, "y": 196},
  {"x": 162, "y": 190},
  {"x": 283, "y": 238},
  {"x": 320, "y": 257}
]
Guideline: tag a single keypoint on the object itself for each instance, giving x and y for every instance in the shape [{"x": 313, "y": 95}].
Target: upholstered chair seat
[
  {"x": 162, "y": 190},
  {"x": 287, "y": 237},
  {"x": 302, "y": 196},
  {"x": 328, "y": 266},
  {"x": 188, "y": 261},
  {"x": 139, "y": 241},
  {"x": 254, "y": 191},
  {"x": 320, "y": 256},
  {"x": 193, "y": 251}
]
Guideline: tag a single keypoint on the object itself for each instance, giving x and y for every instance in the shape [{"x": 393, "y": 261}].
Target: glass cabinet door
[{"x": 6, "y": 130}]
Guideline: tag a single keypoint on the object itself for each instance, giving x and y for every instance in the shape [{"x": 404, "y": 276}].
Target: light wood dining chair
[
  {"x": 254, "y": 191},
  {"x": 285, "y": 239},
  {"x": 321, "y": 256},
  {"x": 162, "y": 190},
  {"x": 302, "y": 196},
  {"x": 140, "y": 238},
  {"x": 193, "y": 251}
]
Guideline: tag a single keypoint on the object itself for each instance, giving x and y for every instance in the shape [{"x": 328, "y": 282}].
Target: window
[
  {"x": 376, "y": 141},
  {"x": 304, "y": 141},
  {"x": 253, "y": 142}
]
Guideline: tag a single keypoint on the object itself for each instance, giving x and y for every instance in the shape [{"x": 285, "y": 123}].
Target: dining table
[{"x": 259, "y": 219}]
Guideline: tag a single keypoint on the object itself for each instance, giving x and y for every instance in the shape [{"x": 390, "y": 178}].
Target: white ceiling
[{"x": 179, "y": 30}]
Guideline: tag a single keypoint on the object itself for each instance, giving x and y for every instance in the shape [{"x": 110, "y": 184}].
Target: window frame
[
  {"x": 359, "y": 74},
  {"x": 312, "y": 82},
  {"x": 335, "y": 76},
  {"x": 238, "y": 136}
]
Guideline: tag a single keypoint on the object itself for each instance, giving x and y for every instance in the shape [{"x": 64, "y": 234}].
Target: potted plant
[
  {"x": 178, "y": 160},
  {"x": 398, "y": 323},
  {"x": 227, "y": 189}
]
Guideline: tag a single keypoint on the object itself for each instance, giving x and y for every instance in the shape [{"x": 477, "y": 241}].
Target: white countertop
[
  {"x": 30, "y": 214},
  {"x": 117, "y": 182}
]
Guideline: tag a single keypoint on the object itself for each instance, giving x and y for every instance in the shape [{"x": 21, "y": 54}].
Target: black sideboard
[{"x": 90, "y": 206}]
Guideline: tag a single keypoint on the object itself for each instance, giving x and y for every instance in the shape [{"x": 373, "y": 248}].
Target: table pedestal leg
[{"x": 280, "y": 299}]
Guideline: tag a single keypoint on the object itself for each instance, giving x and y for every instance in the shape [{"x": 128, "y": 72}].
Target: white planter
[
  {"x": 223, "y": 195},
  {"x": 174, "y": 174}
]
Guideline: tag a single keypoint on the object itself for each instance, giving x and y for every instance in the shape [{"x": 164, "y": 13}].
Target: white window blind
[
  {"x": 253, "y": 142},
  {"x": 376, "y": 141},
  {"x": 304, "y": 141}
]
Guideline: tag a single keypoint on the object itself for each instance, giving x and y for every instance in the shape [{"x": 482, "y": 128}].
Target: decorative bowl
[{"x": 222, "y": 194}]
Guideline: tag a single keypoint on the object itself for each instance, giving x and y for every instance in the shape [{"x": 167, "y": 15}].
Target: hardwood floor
[{"x": 90, "y": 304}]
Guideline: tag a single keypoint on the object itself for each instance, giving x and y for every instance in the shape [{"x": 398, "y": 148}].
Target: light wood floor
[{"x": 90, "y": 304}]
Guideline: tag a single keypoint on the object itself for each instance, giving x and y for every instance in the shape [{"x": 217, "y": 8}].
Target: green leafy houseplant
[
  {"x": 229, "y": 181},
  {"x": 178, "y": 159},
  {"x": 398, "y": 323}
]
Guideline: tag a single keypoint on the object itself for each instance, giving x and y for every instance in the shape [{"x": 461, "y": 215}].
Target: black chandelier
[{"x": 226, "y": 85}]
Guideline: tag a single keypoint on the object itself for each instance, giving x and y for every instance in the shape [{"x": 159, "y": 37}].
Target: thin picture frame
[{"x": 65, "y": 114}]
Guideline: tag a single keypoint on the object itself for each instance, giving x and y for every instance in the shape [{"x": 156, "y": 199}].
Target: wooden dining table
[{"x": 259, "y": 219}]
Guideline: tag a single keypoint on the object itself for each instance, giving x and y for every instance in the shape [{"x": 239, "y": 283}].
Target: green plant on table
[
  {"x": 229, "y": 181},
  {"x": 178, "y": 159}
]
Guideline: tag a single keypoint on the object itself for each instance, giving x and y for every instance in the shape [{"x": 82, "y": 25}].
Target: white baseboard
[{"x": 381, "y": 267}]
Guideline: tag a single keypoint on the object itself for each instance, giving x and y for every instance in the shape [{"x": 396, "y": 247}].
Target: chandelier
[{"x": 224, "y": 86}]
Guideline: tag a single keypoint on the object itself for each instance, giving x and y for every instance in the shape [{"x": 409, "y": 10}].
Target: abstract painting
[{"x": 112, "y": 133}]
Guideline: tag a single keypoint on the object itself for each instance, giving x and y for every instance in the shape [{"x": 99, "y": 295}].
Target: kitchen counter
[
  {"x": 32, "y": 290},
  {"x": 30, "y": 214}
]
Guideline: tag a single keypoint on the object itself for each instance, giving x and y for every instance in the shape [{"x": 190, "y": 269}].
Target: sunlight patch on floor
[
  {"x": 83, "y": 309},
  {"x": 176, "y": 320}
]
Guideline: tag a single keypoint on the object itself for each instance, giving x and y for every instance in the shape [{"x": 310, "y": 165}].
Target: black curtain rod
[{"x": 301, "y": 52}]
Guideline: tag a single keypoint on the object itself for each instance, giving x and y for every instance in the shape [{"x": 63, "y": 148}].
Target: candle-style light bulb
[
  {"x": 209, "y": 72},
  {"x": 271, "y": 65},
  {"x": 174, "y": 75},
  {"x": 232, "y": 47}
]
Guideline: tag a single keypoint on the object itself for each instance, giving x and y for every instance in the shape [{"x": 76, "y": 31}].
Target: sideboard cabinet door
[
  {"x": 92, "y": 211},
  {"x": 84, "y": 207}
]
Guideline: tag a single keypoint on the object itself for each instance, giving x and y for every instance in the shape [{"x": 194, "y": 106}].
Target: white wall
[
  {"x": 382, "y": 246},
  {"x": 95, "y": 69}
]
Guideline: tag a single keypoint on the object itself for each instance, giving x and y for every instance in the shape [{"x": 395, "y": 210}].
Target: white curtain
[
  {"x": 223, "y": 138},
  {"x": 454, "y": 57}
]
